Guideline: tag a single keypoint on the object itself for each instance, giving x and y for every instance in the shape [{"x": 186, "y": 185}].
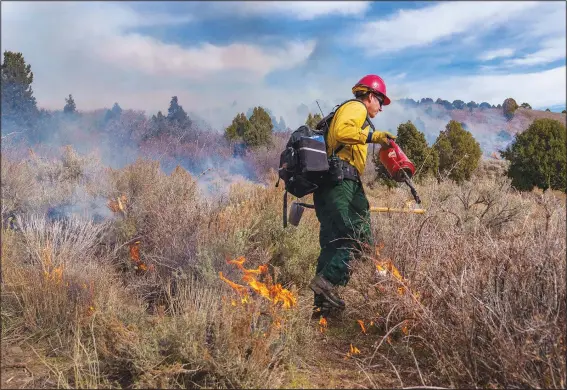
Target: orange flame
[
  {"x": 361, "y": 323},
  {"x": 386, "y": 266},
  {"x": 322, "y": 324},
  {"x": 135, "y": 252},
  {"x": 241, "y": 290},
  {"x": 135, "y": 257},
  {"x": 118, "y": 204},
  {"x": 405, "y": 329},
  {"x": 353, "y": 351},
  {"x": 274, "y": 293}
]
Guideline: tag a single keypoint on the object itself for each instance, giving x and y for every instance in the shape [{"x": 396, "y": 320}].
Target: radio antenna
[{"x": 323, "y": 115}]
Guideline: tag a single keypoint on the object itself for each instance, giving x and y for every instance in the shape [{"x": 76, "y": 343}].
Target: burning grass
[
  {"x": 272, "y": 292},
  {"x": 471, "y": 294}
]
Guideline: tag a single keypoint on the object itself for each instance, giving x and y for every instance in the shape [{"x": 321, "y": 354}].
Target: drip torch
[{"x": 399, "y": 166}]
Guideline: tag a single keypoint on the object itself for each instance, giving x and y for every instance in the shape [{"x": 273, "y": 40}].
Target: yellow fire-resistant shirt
[{"x": 346, "y": 128}]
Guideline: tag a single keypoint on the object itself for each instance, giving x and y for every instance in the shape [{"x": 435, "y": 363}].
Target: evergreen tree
[
  {"x": 312, "y": 120},
  {"x": 116, "y": 110},
  {"x": 446, "y": 104},
  {"x": 382, "y": 175},
  {"x": 282, "y": 126},
  {"x": 260, "y": 130},
  {"x": 18, "y": 103},
  {"x": 509, "y": 107},
  {"x": 459, "y": 153},
  {"x": 240, "y": 125},
  {"x": 116, "y": 113},
  {"x": 177, "y": 114},
  {"x": 70, "y": 106},
  {"x": 526, "y": 105},
  {"x": 472, "y": 105},
  {"x": 158, "y": 126},
  {"x": 538, "y": 156},
  {"x": 459, "y": 104}
]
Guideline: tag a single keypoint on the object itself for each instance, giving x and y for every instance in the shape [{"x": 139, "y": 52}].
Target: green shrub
[
  {"x": 537, "y": 156},
  {"x": 459, "y": 153}
]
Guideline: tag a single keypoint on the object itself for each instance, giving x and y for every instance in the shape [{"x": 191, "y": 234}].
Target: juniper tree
[
  {"x": 18, "y": 103},
  {"x": 240, "y": 125},
  {"x": 312, "y": 120},
  {"x": 459, "y": 153},
  {"x": 538, "y": 156},
  {"x": 261, "y": 127},
  {"x": 70, "y": 106}
]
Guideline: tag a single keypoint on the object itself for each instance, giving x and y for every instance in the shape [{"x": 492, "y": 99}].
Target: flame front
[{"x": 274, "y": 293}]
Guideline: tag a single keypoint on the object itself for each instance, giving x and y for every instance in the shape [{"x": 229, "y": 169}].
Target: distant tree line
[
  {"x": 461, "y": 105},
  {"x": 454, "y": 105},
  {"x": 537, "y": 156}
]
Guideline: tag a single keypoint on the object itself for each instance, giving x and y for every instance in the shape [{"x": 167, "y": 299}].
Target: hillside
[{"x": 488, "y": 125}]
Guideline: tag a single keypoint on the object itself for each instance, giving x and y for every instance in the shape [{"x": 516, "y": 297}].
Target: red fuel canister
[{"x": 395, "y": 161}]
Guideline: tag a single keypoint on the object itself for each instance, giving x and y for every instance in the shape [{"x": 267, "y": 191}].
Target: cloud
[
  {"x": 498, "y": 53},
  {"x": 550, "y": 50},
  {"x": 91, "y": 51},
  {"x": 149, "y": 55},
  {"x": 79, "y": 29},
  {"x": 537, "y": 88},
  {"x": 425, "y": 26},
  {"x": 299, "y": 10}
]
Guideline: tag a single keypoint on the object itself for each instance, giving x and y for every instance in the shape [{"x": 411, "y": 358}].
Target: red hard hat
[{"x": 372, "y": 83}]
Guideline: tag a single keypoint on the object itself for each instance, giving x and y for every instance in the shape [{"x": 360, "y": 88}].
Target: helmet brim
[{"x": 365, "y": 88}]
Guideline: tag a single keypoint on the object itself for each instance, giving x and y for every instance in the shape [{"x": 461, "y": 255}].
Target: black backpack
[{"x": 304, "y": 164}]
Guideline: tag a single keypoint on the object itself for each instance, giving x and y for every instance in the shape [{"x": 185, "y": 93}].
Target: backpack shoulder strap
[{"x": 367, "y": 122}]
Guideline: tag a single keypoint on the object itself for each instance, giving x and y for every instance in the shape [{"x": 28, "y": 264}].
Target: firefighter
[{"x": 342, "y": 208}]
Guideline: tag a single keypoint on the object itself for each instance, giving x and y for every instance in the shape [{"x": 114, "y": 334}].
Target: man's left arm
[{"x": 348, "y": 123}]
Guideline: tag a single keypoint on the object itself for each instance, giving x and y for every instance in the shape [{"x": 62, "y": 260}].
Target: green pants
[{"x": 344, "y": 214}]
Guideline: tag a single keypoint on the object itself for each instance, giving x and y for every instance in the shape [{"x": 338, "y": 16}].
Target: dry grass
[
  {"x": 483, "y": 301},
  {"x": 488, "y": 264},
  {"x": 71, "y": 289}
]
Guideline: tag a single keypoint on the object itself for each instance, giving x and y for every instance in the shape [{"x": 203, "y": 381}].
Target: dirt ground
[{"x": 21, "y": 368}]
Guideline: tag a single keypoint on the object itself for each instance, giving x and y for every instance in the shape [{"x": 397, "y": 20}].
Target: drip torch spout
[{"x": 408, "y": 181}]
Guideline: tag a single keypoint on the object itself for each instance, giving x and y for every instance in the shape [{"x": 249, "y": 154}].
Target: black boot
[{"x": 326, "y": 289}]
